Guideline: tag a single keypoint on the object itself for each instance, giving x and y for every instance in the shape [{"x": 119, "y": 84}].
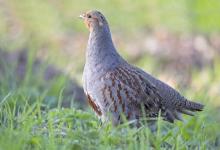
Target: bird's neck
[{"x": 101, "y": 50}]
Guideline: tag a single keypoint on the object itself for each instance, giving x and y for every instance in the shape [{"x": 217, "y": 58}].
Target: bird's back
[{"x": 172, "y": 99}]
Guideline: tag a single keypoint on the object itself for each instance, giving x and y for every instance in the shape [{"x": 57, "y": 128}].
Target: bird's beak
[{"x": 82, "y": 16}]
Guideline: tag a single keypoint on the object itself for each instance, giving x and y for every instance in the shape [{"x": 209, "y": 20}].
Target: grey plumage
[{"x": 115, "y": 87}]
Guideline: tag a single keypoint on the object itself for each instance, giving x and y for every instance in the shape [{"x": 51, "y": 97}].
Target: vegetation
[{"x": 31, "y": 112}]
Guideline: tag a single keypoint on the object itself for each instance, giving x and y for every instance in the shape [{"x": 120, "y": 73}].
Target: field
[{"x": 42, "y": 53}]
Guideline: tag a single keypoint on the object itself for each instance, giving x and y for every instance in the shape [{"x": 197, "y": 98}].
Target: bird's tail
[
  {"x": 193, "y": 106},
  {"x": 187, "y": 107}
]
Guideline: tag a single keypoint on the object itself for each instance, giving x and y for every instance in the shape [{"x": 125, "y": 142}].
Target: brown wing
[{"x": 131, "y": 87}]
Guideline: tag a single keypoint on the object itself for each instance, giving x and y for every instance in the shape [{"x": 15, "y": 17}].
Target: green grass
[{"x": 28, "y": 127}]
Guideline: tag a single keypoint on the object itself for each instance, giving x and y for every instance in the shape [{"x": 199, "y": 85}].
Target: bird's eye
[{"x": 89, "y": 16}]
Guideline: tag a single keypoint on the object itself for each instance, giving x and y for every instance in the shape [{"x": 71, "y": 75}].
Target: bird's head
[{"x": 94, "y": 20}]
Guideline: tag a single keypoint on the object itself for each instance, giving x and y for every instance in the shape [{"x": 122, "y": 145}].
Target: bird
[{"x": 117, "y": 90}]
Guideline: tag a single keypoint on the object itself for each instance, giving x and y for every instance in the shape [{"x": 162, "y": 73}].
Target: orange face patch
[
  {"x": 93, "y": 19},
  {"x": 87, "y": 23}
]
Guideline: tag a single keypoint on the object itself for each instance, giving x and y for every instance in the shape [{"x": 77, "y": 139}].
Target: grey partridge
[{"x": 115, "y": 88}]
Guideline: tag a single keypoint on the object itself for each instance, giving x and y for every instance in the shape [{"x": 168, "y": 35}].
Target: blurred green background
[
  {"x": 42, "y": 54},
  {"x": 51, "y": 28}
]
